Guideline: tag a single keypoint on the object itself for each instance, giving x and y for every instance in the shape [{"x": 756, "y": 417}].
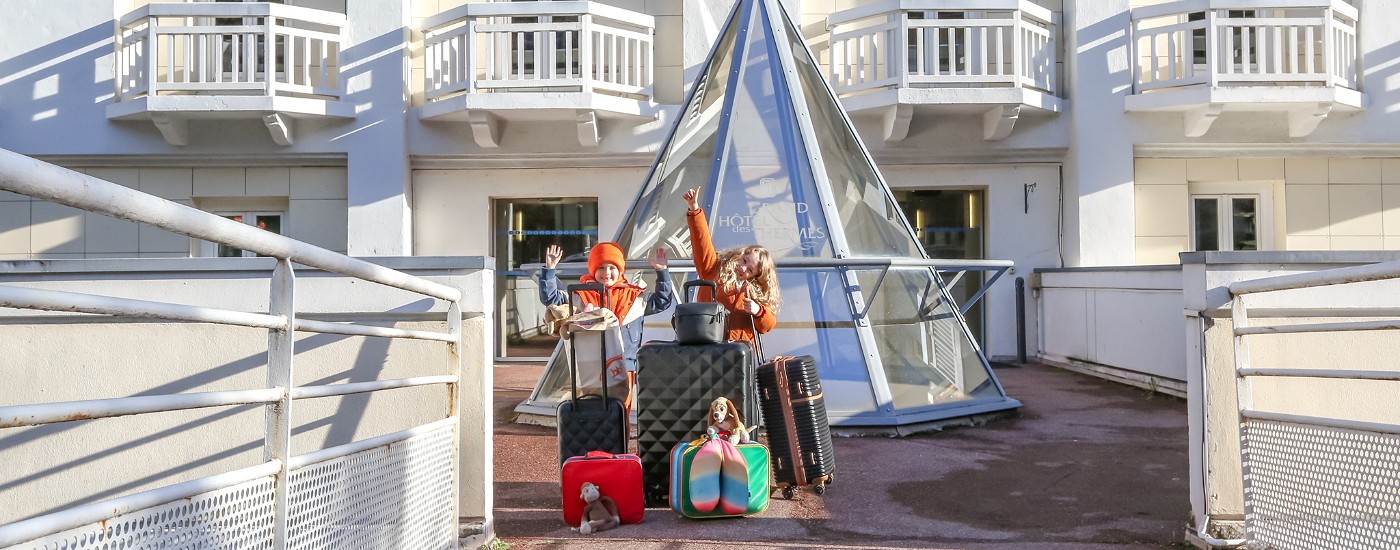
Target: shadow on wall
[
  {"x": 173, "y": 439},
  {"x": 57, "y": 89}
]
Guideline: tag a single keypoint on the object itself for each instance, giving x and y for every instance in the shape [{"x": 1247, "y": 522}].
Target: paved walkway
[{"x": 1087, "y": 464}]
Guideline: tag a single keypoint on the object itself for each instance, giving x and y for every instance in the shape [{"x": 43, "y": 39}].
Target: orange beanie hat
[{"x": 606, "y": 253}]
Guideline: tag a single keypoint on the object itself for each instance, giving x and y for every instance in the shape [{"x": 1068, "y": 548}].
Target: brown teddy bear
[{"x": 600, "y": 514}]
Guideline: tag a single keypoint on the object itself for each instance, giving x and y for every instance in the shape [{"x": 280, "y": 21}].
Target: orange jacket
[{"x": 740, "y": 325}]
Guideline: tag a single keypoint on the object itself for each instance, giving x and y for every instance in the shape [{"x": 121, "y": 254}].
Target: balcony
[
  {"x": 1204, "y": 57},
  {"x": 486, "y": 63},
  {"x": 993, "y": 58},
  {"x": 178, "y": 62}
]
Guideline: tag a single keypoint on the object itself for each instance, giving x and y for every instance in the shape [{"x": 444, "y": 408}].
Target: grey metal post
[{"x": 1021, "y": 320}]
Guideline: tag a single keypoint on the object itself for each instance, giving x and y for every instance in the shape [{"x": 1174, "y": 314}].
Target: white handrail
[
  {"x": 313, "y": 392},
  {"x": 58, "y": 300},
  {"x": 1342, "y": 275},
  {"x": 15, "y": 416}
]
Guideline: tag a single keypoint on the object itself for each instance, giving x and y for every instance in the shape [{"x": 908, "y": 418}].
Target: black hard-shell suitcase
[
  {"x": 675, "y": 384},
  {"x": 799, "y": 435},
  {"x": 590, "y": 422}
]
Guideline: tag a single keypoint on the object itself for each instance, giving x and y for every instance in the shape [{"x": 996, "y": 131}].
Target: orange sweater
[{"x": 740, "y": 325}]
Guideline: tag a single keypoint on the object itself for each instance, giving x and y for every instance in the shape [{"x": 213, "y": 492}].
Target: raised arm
[{"x": 665, "y": 295}]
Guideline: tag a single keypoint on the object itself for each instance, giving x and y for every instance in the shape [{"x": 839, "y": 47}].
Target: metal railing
[
  {"x": 250, "y": 507},
  {"x": 1245, "y": 43},
  {"x": 538, "y": 46},
  {"x": 1315, "y": 481},
  {"x": 229, "y": 49},
  {"x": 929, "y": 43}
]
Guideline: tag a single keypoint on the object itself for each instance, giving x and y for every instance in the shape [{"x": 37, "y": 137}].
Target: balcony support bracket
[
  {"x": 280, "y": 127},
  {"x": 174, "y": 128},
  {"x": 896, "y": 122},
  {"x": 486, "y": 129},
  {"x": 1304, "y": 119},
  {"x": 1197, "y": 120},
  {"x": 998, "y": 121},
  {"x": 587, "y": 122}
]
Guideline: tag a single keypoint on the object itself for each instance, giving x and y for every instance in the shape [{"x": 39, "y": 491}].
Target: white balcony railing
[
  {"x": 229, "y": 49},
  {"x": 1219, "y": 43},
  {"x": 538, "y": 46},
  {"x": 927, "y": 43}
]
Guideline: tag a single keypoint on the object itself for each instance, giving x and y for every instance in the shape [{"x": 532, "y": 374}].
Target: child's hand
[
  {"x": 692, "y": 197},
  {"x": 552, "y": 255},
  {"x": 658, "y": 259},
  {"x": 750, "y": 307}
]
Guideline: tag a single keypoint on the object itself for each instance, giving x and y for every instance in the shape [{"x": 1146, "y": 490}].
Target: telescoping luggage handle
[
  {"x": 602, "y": 345},
  {"x": 685, "y": 289}
]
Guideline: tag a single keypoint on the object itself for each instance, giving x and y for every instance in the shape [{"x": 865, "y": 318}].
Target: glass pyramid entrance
[{"x": 778, "y": 163}]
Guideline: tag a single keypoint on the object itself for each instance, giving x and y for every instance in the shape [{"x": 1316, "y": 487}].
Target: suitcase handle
[
  {"x": 685, "y": 289},
  {"x": 602, "y": 345}
]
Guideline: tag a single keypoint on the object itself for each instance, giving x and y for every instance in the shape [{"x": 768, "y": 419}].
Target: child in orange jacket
[{"x": 745, "y": 276}]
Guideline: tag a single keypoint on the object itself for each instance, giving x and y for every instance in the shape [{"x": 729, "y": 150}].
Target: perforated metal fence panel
[
  {"x": 1309, "y": 487},
  {"x": 394, "y": 496},
  {"x": 239, "y": 516}
]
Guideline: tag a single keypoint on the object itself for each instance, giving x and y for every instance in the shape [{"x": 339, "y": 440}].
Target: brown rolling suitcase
[{"x": 794, "y": 413}]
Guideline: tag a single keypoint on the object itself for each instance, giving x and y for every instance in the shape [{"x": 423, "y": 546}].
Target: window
[
  {"x": 269, "y": 221},
  {"x": 1237, "y": 35},
  {"x": 950, "y": 56},
  {"x": 242, "y": 57},
  {"x": 1227, "y": 222}
]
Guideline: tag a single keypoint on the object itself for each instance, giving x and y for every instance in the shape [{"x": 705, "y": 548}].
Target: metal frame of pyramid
[{"x": 895, "y": 350}]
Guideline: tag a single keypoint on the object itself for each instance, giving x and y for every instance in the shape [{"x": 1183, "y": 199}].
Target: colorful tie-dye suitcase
[{"x": 712, "y": 478}]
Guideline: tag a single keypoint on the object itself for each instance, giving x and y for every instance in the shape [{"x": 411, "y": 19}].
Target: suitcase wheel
[
  {"x": 787, "y": 492},
  {"x": 819, "y": 488}
]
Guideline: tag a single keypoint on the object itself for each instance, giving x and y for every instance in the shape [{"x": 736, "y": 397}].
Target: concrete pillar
[
  {"x": 1099, "y": 226},
  {"x": 377, "y": 167}
]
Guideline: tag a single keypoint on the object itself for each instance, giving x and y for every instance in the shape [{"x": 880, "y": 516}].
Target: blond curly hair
[{"x": 764, "y": 287}]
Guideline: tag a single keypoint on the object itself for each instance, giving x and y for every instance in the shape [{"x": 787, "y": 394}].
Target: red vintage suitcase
[{"x": 617, "y": 476}]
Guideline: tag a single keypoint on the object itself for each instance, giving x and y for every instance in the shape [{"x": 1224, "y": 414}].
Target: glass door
[
  {"x": 523, "y": 229},
  {"x": 950, "y": 224}
]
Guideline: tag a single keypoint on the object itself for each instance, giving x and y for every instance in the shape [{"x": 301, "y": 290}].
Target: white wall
[
  {"x": 1123, "y": 324},
  {"x": 313, "y": 199},
  {"x": 52, "y": 357},
  {"x": 453, "y": 207},
  {"x": 1319, "y": 203}
]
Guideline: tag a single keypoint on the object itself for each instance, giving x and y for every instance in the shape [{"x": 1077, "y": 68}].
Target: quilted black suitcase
[
  {"x": 799, "y": 435},
  {"x": 675, "y": 384},
  {"x": 590, "y": 422}
]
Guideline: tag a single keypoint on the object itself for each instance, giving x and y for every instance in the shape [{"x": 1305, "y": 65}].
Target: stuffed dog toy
[
  {"x": 724, "y": 420},
  {"x": 600, "y": 514}
]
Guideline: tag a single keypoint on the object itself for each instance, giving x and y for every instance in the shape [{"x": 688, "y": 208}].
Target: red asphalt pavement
[{"x": 1086, "y": 464}]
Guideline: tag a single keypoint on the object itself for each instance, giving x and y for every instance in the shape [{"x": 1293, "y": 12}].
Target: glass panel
[
  {"x": 927, "y": 356},
  {"x": 1207, "y": 223},
  {"x": 658, "y": 217},
  {"x": 872, "y": 222},
  {"x": 1244, "y": 223},
  {"x": 766, "y": 193}
]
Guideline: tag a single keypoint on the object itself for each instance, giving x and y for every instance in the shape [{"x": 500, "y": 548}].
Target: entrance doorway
[
  {"x": 523, "y": 229},
  {"x": 950, "y": 224}
]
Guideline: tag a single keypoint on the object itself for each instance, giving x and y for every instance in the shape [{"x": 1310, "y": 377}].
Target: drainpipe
[{"x": 1215, "y": 542}]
